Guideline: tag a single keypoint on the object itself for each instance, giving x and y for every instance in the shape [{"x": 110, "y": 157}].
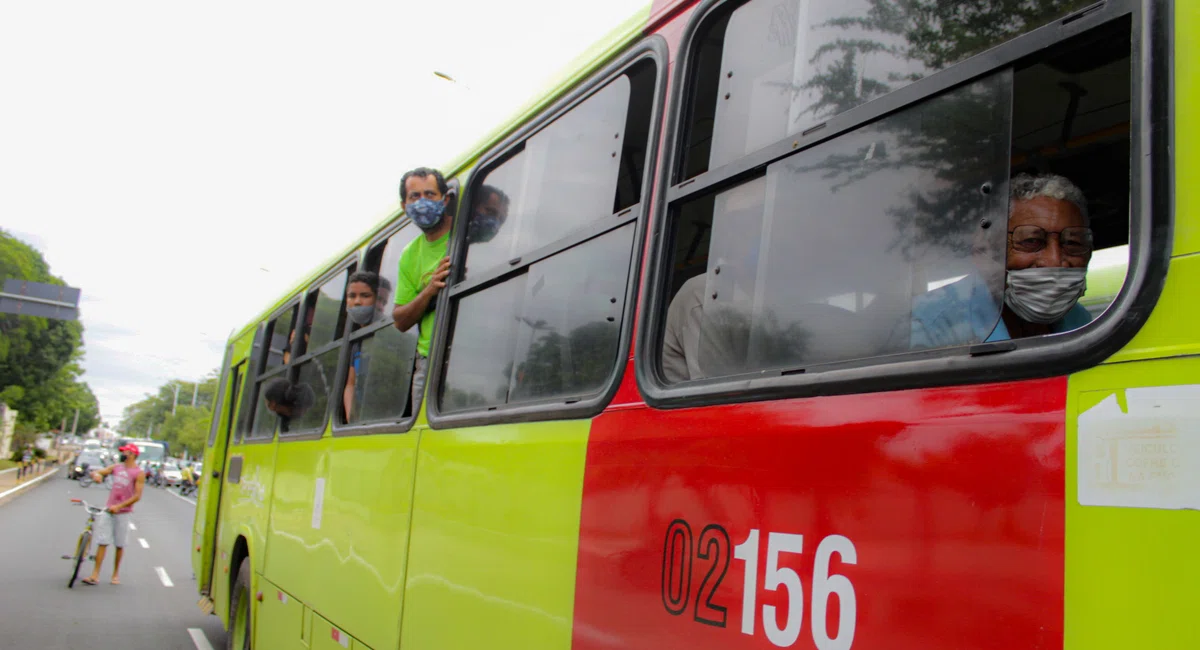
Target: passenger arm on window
[{"x": 410, "y": 312}]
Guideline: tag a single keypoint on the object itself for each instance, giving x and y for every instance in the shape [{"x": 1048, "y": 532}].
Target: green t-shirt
[{"x": 418, "y": 261}]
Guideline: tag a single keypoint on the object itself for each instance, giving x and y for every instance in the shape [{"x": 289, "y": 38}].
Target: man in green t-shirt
[{"x": 423, "y": 263}]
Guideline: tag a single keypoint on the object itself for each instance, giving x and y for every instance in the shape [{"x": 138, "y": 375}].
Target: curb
[{"x": 26, "y": 484}]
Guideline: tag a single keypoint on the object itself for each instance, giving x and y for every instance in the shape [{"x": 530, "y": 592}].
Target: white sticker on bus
[
  {"x": 1140, "y": 448},
  {"x": 318, "y": 503}
]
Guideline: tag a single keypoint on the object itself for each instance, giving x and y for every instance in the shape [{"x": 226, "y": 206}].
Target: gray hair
[{"x": 1024, "y": 187}]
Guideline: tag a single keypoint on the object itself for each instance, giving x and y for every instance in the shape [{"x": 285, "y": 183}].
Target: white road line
[
  {"x": 131, "y": 526},
  {"x": 199, "y": 639},
  {"x": 142, "y": 541},
  {"x": 162, "y": 575},
  {"x": 28, "y": 483},
  {"x": 180, "y": 496}
]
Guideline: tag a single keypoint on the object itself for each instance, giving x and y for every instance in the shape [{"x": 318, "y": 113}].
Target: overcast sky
[{"x": 186, "y": 163}]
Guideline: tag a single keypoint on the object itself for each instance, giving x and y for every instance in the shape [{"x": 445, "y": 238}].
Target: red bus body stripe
[{"x": 952, "y": 498}]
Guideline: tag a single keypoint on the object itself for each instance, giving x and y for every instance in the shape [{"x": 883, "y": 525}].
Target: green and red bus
[{"x": 805, "y": 171}]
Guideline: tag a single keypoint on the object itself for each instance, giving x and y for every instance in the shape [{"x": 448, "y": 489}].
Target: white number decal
[
  {"x": 785, "y": 636},
  {"x": 824, "y": 585},
  {"x": 747, "y": 552}
]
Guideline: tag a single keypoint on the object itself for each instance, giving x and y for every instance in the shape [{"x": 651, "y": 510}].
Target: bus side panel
[
  {"x": 206, "y": 504},
  {"x": 204, "y": 525},
  {"x": 343, "y": 551},
  {"x": 494, "y": 536},
  {"x": 1134, "y": 439},
  {"x": 244, "y": 509},
  {"x": 942, "y": 509}
]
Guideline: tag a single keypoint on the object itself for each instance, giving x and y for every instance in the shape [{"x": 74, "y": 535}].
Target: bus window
[
  {"x": 279, "y": 340},
  {"x": 788, "y": 65},
  {"x": 969, "y": 216},
  {"x": 323, "y": 315},
  {"x": 1071, "y": 117},
  {"x": 316, "y": 367},
  {"x": 379, "y": 374},
  {"x": 260, "y": 423},
  {"x": 802, "y": 270},
  {"x": 553, "y": 223}
]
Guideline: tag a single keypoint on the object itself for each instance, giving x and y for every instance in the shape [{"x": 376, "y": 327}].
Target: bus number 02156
[{"x": 712, "y": 547}]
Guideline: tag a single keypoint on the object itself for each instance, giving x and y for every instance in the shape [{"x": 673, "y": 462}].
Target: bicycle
[{"x": 85, "y": 540}]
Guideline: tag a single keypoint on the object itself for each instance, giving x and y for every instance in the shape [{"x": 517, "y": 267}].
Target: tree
[
  {"x": 187, "y": 429},
  {"x": 39, "y": 357},
  {"x": 151, "y": 413}
]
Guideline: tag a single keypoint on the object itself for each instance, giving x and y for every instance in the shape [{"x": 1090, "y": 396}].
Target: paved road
[{"x": 38, "y": 611}]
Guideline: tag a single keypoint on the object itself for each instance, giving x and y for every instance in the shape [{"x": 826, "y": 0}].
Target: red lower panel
[{"x": 907, "y": 520}]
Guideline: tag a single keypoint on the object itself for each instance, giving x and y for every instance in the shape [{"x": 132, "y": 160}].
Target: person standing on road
[
  {"x": 27, "y": 458},
  {"x": 112, "y": 527}
]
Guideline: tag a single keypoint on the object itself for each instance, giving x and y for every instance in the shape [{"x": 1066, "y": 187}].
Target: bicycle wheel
[{"x": 81, "y": 551}]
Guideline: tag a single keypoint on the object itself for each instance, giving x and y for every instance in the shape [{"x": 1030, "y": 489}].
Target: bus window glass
[
  {"x": 565, "y": 177},
  {"x": 264, "y": 419},
  {"x": 821, "y": 260},
  {"x": 568, "y": 329},
  {"x": 378, "y": 379},
  {"x": 480, "y": 363},
  {"x": 385, "y": 261},
  {"x": 491, "y": 230},
  {"x": 550, "y": 329},
  {"x": 324, "y": 313},
  {"x": 787, "y": 65},
  {"x": 314, "y": 383},
  {"x": 383, "y": 367},
  {"x": 279, "y": 337}
]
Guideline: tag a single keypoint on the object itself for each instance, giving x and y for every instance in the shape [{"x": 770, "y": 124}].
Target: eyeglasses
[{"x": 1076, "y": 241}]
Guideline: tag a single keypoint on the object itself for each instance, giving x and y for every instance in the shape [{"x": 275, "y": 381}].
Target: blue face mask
[
  {"x": 426, "y": 213},
  {"x": 483, "y": 228}
]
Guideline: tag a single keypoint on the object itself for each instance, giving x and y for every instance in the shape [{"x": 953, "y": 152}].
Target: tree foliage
[
  {"x": 162, "y": 416},
  {"x": 40, "y": 357}
]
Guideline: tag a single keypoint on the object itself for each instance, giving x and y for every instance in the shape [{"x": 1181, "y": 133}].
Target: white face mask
[{"x": 1044, "y": 295}]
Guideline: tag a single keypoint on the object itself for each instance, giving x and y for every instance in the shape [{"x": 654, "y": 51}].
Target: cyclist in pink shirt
[{"x": 112, "y": 527}]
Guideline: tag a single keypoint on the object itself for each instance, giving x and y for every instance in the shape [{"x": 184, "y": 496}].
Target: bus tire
[{"x": 240, "y": 632}]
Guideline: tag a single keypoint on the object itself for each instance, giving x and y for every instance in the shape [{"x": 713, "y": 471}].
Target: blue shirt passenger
[{"x": 965, "y": 312}]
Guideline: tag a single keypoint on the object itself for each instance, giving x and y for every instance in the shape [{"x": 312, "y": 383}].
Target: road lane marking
[
  {"x": 162, "y": 575},
  {"x": 180, "y": 496},
  {"x": 199, "y": 639},
  {"x": 28, "y": 483},
  {"x": 142, "y": 541},
  {"x": 131, "y": 526}
]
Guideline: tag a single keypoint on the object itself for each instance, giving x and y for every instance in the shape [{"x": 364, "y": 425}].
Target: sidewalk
[{"x": 8, "y": 480}]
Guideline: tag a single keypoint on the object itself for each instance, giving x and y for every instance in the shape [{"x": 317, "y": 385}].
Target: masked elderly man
[{"x": 1049, "y": 246}]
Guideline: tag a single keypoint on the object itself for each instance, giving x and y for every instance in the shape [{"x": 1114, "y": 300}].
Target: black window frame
[
  {"x": 654, "y": 50},
  {"x": 347, "y": 264},
  {"x": 1151, "y": 204},
  {"x": 350, "y": 336}
]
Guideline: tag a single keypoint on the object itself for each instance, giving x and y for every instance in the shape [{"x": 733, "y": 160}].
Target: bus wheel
[{"x": 239, "y": 610}]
